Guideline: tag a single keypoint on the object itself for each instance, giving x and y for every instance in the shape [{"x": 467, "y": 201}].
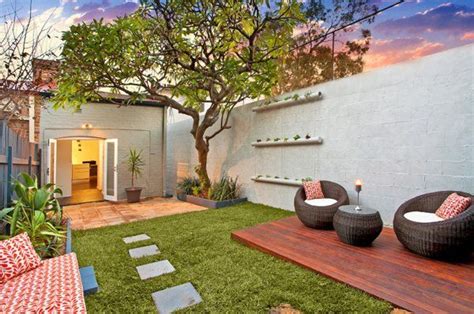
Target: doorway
[
  {"x": 84, "y": 168},
  {"x": 86, "y": 181}
]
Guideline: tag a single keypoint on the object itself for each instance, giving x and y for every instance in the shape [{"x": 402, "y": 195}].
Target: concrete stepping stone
[
  {"x": 155, "y": 269},
  {"x": 136, "y": 238},
  {"x": 144, "y": 251},
  {"x": 176, "y": 298}
]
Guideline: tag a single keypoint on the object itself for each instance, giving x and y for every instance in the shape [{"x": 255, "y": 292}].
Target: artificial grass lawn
[{"x": 229, "y": 276}]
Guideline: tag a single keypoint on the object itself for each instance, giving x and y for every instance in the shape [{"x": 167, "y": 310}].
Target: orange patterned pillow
[
  {"x": 453, "y": 206},
  {"x": 17, "y": 256},
  {"x": 313, "y": 190}
]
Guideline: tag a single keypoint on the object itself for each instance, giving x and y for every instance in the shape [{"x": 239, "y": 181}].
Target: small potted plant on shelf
[
  {"x": 296, "y": 137},
  {"x": 308, "y": 136},
  {"x": 135, "y": 167}
]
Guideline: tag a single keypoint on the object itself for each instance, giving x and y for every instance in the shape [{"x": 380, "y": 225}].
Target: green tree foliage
[{"x": 311, "y": 61}]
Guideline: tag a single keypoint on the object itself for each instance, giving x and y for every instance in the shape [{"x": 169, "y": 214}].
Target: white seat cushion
[
  {"x": 321, "y": 202},
  {"x": 422, "y": 217}
]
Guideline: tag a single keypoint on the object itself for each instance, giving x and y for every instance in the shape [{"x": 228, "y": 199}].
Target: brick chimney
[{"x": 44, "y": 73}]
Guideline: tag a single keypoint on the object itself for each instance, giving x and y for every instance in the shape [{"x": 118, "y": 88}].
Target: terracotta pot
[{"x": 133, "y": 194}]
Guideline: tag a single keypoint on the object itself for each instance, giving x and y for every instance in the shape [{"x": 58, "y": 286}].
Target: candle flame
[{"x": 358, "y": 182}]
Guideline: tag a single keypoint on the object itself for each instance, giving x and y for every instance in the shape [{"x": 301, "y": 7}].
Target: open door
[
  {"x": 52, "y": 157},
  {"x": 110, "y": 169}
]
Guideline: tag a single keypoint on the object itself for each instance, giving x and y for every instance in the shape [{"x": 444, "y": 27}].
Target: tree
[
  {"x": 212, "y": 52},
  {"x": 311, "y": 65},
  {"x": 20, "y": 44},
  {"x": 312, "y": 60}
]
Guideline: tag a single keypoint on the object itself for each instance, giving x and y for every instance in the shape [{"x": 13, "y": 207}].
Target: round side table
[{"x": 357, "y": 226}]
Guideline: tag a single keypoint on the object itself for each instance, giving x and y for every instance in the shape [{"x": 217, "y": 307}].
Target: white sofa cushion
[
  {"x": 422, "y": 217},
  {"x": 320, "y": 202}
]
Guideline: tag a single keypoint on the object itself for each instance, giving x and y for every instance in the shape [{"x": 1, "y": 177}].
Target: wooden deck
[{"x": 385, "y": 270}]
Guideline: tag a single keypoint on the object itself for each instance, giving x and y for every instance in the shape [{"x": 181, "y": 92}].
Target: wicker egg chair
[
  {"x": 448, "y": 239},
  {"x": 320, "y": 217}
]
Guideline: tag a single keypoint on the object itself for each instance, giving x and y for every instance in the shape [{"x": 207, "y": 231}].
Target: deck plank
[{"x": 385, "y": 270}]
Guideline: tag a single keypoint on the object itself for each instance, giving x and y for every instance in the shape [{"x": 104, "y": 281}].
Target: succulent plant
[{"x": 296, "y": 137}]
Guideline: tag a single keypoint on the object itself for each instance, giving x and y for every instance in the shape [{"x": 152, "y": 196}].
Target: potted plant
[{"x": 135, "y": 167}]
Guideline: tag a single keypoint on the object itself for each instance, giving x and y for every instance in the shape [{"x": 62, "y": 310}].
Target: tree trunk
[{"x": 201, "y": 170}]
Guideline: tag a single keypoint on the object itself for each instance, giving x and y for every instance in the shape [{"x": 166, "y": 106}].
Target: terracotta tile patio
[{"x": 100, "y": 214}]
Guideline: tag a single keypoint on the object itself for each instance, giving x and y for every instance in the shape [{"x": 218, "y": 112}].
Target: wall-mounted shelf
[
  {"x": 291, "y": 182},
  {"x": 287, "y": 103},
  {"x": 302, "y": 141}
]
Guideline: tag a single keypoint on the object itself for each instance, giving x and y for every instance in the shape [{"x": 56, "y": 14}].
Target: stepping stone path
[
  {"x": 170, "y": 299},
  {"x": 176, "y": 298},
  {"x": 144, "y": 251},
  {"x": 155, "y": 269},
  {"x": 137, "y": 238}
]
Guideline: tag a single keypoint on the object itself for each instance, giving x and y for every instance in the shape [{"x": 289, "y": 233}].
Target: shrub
[
  {"x": 226, "y": 188},
  {"x": 188, "y": 185},
  {"x": 37, "y": 212}
]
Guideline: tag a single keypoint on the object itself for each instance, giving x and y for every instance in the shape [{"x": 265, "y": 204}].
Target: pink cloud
[
  {"x": 468, "y": 36},
  {"x": 108, "y": 13},
  {"x": 386, "y": 52}
]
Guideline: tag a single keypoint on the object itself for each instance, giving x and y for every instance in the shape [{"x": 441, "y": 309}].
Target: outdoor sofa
[
  {"x": 53, "y": 287},
  {"x": 319, "y": 213},
  {"x": 451, "y": 238}
]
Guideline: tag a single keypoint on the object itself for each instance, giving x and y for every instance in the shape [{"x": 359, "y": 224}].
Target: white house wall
[
  {"x": 405, "y": 130},
  {"x": 134, "y": 126}
]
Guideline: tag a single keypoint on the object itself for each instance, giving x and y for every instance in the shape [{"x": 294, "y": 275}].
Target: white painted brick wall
[
  {"x": 134, "y": 126},
  {"x": 404, "y": 130}
]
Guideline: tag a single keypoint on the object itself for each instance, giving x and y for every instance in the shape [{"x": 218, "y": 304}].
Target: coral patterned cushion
[
  {"x": 17, "y": 256},
  {"x": 453, "y": 206},
  {"x": 53, "y": 287},
  {"x": 313, "y": 190}
]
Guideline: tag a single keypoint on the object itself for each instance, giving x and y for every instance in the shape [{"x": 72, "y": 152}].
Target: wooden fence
[{"x": 17, "y": 155}]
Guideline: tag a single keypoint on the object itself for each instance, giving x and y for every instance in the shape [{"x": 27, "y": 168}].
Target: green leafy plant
[
  {"x": 226, "y": 188},
  {"x": 135, "y": 164},
  {"x": 196, "y": 190},
  {"x": 186, "y": 185},
  {"x": 296, "y": 137},
  {"x": 268, "y": 139},
  {"x": 286, "y": 139},
  {"x": 276, "y": 139},
  {"x": 295, "y": 97},
  {"x": 37, "y": 212}
]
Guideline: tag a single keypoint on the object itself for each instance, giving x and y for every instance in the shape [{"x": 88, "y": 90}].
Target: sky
[{"x": 409, "y": 31}]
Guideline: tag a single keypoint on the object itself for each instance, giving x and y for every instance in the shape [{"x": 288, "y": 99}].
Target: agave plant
[{"x": 37, "y": 212}]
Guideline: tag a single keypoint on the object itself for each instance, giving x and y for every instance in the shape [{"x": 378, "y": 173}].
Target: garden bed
[{"x": 210, "y": 203}]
